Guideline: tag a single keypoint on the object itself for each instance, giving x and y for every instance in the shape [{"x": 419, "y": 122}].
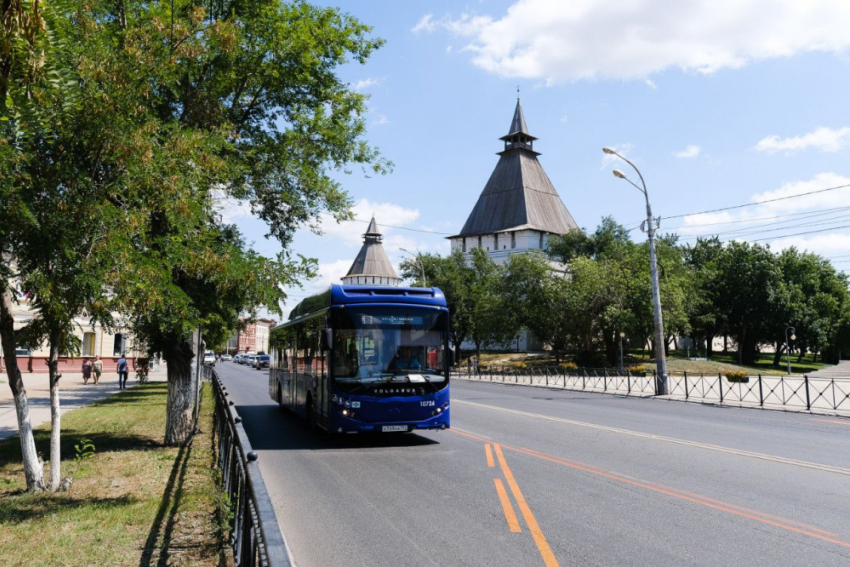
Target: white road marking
[{"x": 720, "y": 448}]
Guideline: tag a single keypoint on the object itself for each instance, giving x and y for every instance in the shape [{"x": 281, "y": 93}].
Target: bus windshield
[{"x": 375, "y": 345}]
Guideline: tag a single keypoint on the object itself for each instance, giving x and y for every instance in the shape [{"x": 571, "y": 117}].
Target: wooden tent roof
[
  {"x": 372, "y": 260},
  {"x": 518, "y": 194}
]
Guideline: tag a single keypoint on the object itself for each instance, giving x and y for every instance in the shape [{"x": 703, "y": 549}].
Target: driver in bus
[{"x": 404, "y": 360}]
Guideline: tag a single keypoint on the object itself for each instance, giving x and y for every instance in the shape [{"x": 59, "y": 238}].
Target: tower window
[
  {"x": 541, "y": 241},
  {"x": 464, "y": 244},
  {"x": 479, "y": 242},
  {"x": 513, "y": 240},
  {"x": 495, "y": 242}
]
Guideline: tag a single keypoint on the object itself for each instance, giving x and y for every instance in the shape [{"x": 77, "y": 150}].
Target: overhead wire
[{"x": 735, "y": 207}]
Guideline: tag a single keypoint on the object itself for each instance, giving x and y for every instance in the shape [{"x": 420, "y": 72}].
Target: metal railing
[
  {"x": 255, "y": 536},
  {"x": 776, "y": 392},
  {"x": 583, "y": 379}
]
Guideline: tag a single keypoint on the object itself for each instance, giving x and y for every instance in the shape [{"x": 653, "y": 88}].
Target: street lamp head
[
  {"x": 608, "y": 150},
  {"x": 793, "y": 337},
  {"x": 618, "y": 173},
  {"x": 622, "y": 334}
]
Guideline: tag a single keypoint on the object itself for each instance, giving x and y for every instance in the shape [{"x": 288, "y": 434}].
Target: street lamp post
[
  {"x": 651, "y": 225},
  {"x": 788, "y": 347},
  {"x": 622, "y": 335},
  {"x": 419, "y": 261}
]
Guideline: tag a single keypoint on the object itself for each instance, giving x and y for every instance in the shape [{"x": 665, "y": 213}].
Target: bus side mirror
[{"x": 327, "y": 338}]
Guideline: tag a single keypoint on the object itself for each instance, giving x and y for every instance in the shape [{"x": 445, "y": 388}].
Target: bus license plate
[{"x": 393, "y": 428}]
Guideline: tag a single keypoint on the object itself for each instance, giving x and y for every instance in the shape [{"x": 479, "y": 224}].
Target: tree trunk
[
  {"x": 32, "y": 467},
  {"x": 725, "y": 343},
  {"x": 742, "y": 340},
  {"x": 802, "y": 354},
  {"x": 181, "y": 393},
  {"x": 709, "y": 345},
  {"x": 55, "y": 423},
  {"x": 777, "y": 356}
]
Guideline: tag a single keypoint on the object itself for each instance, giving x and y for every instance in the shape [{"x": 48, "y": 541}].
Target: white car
[
  {"x": 209, "y": 357},
  {"x": 226, "y": 358}
]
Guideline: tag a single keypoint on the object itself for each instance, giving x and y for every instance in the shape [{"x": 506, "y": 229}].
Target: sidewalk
[{"x": 72, "y": 395}]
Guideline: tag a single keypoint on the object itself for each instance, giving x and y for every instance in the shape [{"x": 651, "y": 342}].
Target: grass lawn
[
  {"x": 720, "y": 362},
  {"x": 133, "y": 502}
]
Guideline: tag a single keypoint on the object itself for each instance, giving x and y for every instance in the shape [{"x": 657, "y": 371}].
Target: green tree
[
  {"x": 240, "y": 103},
  {"x": 705, "y": 319},
  {"x": 450, "y": 275},
  {"x": 490, "y": 318},
  {"x": 749, "y": 291},
  {"x": 37, "y": 87}
]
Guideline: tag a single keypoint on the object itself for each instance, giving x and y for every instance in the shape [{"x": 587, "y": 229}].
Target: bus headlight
[
  {"x": 345, "y": 412},
  {"x": 439, "y": 410}
]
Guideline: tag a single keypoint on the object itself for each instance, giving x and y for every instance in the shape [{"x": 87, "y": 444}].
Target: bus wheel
[{"x": 280, "y": 401}]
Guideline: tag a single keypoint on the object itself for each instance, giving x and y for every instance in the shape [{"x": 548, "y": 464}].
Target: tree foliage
[{"x": 592, "y": 287}]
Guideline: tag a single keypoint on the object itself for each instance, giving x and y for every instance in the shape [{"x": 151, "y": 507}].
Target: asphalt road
[{"x": 530, "y": 477}]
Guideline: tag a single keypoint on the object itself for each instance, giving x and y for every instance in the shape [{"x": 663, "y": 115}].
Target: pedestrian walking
[
  {"x": 87, "y": 369},
  {"x": 97, "y": 367},
  {"x": 122, "y": 372}
]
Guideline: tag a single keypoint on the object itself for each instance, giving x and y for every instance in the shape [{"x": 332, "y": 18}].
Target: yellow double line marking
[{"x": 511, "y": 518}]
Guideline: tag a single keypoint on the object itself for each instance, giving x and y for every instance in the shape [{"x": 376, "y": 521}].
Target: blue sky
[{"x": 719, "y": 103}]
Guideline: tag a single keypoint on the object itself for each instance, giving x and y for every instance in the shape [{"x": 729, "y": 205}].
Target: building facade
[
  {"x": 518, "y": 210},
  {"x": 255, "y": 336},
  {"x": 372, "y": 266},
  {"x": 95, "y": 340}
]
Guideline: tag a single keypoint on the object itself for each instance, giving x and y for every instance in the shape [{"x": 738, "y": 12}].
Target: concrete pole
[{"x": 660, "y": 354}]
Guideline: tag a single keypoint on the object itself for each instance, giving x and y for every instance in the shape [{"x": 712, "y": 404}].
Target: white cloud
[
  {"x": 229, "y": 208},
  {"x": 448, "y": 49},
  {"x": 691, "y": 151},
  {"x": 564, "y": 119},
  {"x": 364, "y": 84},
  {"x": 837, "y": 198},
  {"x": 561, "y": 41},
  {"x": 651, "y": 84},
  {"x": 823, "y": 139},
  {"x": 425, "y": 23},
  {"x": 767, "y": 222},
  {"x": 381, "y": 120},
  {"x": 351, "y": 233}
]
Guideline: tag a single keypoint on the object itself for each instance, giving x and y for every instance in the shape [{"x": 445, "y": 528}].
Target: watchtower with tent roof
[
  {"x": 519, "y": 208},
  {"x": 372, "y": 266}
]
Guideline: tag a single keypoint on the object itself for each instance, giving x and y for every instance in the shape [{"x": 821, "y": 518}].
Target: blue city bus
[{"x": 358, "y": 359}]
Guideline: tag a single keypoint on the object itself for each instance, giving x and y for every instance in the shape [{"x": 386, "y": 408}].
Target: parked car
[
  {"x": 238, "y": 358},
  {"x": 226, "y": 358},
  {"x": 209, "y": 357},
  {"x": 249, "y": 359},
  {"x": 261, "y": 361}
]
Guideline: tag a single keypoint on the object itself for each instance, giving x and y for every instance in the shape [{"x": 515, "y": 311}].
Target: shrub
[
  {"x": 737, "y": 376},
  {"x": 567, "y": 366},
  {"x": 637, "y": 369}
]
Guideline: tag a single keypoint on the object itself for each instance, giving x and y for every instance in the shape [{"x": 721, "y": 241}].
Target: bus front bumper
[{"x": 342, "y": 424}]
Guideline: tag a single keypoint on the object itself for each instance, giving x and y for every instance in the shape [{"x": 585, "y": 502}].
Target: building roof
[
  {"x": 518, "y": 125},
  {"x": 372, "y": 260},
  {"x": 519, "y": 194}
]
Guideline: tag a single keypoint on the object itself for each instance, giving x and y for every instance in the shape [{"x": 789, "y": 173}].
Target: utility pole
[{"x": 650, "y": 225}]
